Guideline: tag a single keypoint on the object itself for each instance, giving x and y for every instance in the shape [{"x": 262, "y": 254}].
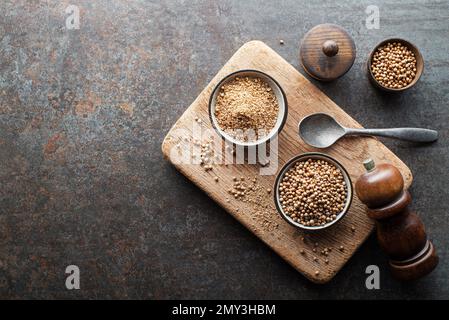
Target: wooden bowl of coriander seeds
[
  {"x": 395, "y": 65},
  {"x": 248, "y": 108},
  {"x": 313, "y": 191}
]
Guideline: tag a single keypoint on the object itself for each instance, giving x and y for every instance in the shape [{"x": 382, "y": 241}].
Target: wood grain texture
[
  {"x": 312, "y": 52},
  {"x": 303, "y": 99}
]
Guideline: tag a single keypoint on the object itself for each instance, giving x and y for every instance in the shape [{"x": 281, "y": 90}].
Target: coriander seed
[
  {"x": 394, "y": 65},
  {"x": 312, "y": 192}
]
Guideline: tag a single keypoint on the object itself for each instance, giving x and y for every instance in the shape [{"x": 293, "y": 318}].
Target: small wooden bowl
[{"x": 419, "y": 64}]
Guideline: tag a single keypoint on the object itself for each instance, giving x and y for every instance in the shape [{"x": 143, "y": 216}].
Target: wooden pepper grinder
[{"x": 400, "y": 232}]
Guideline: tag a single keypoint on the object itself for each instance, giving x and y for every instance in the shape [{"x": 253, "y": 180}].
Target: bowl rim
[
  {"x": 274, "y": 131},
  {"x": 411, "y": 46},
  {"x": 325, "y": 157}
]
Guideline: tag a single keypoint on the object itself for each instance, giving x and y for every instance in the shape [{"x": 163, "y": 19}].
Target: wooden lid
[{"x": 327, "y": 52}]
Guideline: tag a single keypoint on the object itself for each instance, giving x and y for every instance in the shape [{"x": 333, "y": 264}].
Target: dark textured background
[{"x": 83, "y": 114}]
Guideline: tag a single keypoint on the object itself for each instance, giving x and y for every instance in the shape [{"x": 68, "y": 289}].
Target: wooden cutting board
[{"x": 261, "y": 217}]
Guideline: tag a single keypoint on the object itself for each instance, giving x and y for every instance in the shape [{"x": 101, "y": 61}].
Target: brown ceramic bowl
[
  {"x": 304, "y": 157},
  {"x": 419, "y": 64}
]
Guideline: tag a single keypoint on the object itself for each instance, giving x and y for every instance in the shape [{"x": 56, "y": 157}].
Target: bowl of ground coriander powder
[{"x": 248, "y": 108}]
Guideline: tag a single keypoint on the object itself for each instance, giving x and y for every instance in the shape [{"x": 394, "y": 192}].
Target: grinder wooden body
[{"x": 400, "y": 232}]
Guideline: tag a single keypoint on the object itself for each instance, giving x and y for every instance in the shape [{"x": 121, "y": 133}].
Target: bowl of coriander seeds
[
  {"x": 248, "y": 108},
  {"x": 395, "y": 65},
  {"x": 313, "y": 191}
]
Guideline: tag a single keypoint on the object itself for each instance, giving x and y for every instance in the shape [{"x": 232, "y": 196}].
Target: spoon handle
[{"x": 408, "y": 134}]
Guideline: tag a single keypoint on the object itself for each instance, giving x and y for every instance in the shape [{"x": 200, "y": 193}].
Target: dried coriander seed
[
  {"x": 394, "y": 65},
  {"x": 313, "y": 192}
]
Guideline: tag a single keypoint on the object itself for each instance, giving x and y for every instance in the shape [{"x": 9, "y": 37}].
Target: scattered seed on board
[
  {"x": 341, "y": 248},
  {"x": 207, "y": 155},
  {"x": 216, "y": 179},
  {"x": 301, "y": 251},
  {"x": 317, "y": 273}
]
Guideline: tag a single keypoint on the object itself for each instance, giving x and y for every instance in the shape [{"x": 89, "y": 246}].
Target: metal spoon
[{"x": 320, "y": 130}]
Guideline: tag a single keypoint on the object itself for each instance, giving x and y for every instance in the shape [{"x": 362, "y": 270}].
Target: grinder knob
[{"x": 380, "y": 185}]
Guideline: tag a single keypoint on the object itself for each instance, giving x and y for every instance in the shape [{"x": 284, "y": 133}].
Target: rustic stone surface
[{"x": 83, "y": 114}]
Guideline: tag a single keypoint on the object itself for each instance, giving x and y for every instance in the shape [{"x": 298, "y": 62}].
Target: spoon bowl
[{"x": 320, "y": 130}]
